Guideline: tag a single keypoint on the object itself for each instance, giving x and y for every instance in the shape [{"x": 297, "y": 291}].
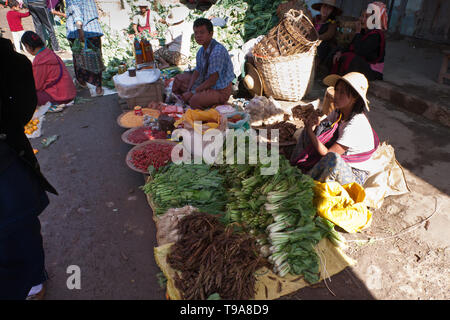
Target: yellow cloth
[
  {"x": 211, "y": 117},
  {"x": 268, "y": 285},
  {"x": 342, "y": 205}
]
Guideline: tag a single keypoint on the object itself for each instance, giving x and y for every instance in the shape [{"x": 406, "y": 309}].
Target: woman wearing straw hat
[
  {"x": 146, "y": 18},
  {"x": 366, "y": 52},
  {"x": 177, "y": 39},
  {"x": 343, "y": 151},
  {"x": 326, "y": 26}
]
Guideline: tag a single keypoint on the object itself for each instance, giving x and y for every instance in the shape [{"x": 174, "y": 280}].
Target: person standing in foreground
[
  {"x": 22, "y": 186},
  {"x": 211, "y": 82},
  {"x": 14, "y": 18},
  {"x": 41, "y": 19},
  {"x": 82, "y": 24}
]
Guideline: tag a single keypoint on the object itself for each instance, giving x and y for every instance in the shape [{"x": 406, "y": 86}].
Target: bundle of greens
[
  {"x": 245, "y": 20},
  {"x": 116, "y": 50},
  {"x": 278, "y": 210},
  {"x": 198, "y": 185}
]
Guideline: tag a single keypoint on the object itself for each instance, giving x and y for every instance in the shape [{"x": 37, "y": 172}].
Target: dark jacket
[
  {"x": 18, "y": 103},
  {"x": 370, "y": 45}
]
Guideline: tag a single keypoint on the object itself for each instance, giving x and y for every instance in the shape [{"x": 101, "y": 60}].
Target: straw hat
[
  {"x": 177, "y": 14},
  {"x": 142, "y": 3},
  {"x": 356, "y": 80},
  {"x": 316, "y": 6},
  {"x": 253, "y": 81}
]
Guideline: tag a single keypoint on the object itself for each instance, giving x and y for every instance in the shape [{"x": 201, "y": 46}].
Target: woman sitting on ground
[
  {"x": 343, "y": 152},
  {"x": 366, "y": 52},
  {"x": 326, "y": 26},
  {"x": 52, "y": 79}
]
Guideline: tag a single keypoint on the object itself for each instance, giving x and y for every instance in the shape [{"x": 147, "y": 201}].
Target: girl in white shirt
[{"x": 349, "y": 158}]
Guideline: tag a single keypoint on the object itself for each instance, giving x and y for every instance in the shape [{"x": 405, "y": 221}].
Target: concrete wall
[
  {"x": 112, "y": 14},
  {"x": 424, "y": 19}
]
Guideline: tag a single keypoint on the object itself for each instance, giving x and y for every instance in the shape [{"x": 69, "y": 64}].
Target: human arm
[
  {"x": 24, "y": 14},
  {"x": 57, "y": 13},
  {"x": 188, "y": 94},
  {"x": 311, "y": 125},
  {"x": 208, "y": 83}
]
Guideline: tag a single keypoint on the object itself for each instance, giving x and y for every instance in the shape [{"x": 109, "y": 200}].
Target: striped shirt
[
  {"x": 86, "y": 12},
  {"x": 219, "y": 61}
]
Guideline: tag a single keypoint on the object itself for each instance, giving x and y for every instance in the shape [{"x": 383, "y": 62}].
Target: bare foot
[{"x": 99, "y": 91}]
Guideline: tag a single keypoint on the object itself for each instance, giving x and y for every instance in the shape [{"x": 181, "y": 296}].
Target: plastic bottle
[
  {"x": 138, "y": 51},
  {"x": 148, "y": 51}
]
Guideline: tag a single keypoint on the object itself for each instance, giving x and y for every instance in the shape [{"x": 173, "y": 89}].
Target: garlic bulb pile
[{"x": 264, "y": 111}]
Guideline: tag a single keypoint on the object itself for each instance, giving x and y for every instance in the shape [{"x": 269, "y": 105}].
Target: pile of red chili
[
  {"x": 155, "y": 154},
  {"x": 139, "y": 135}
]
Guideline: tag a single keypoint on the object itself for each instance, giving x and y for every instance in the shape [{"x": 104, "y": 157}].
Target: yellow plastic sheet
[
  {"x": 342, "y": 205},
  {"x": 268, "y": 285}
]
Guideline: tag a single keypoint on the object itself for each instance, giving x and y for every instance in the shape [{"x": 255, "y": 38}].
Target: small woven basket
[{"x": 294, "y": 34}]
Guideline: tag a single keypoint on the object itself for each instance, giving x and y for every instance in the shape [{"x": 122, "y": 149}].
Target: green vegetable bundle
[
  {"x": 279, "y": 210},
  {"x": 198, "y": 185},
  {"x": 245, "y": 20}
]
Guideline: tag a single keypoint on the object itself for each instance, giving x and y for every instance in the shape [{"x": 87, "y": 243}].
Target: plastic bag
[
  {"x": 240, "y": 124},
  {"x": 342, "y": 205},
  {"x": 211, "y": 119},
  {"x": 388, "y": 180},
  {"x": 132, "y": 87}
]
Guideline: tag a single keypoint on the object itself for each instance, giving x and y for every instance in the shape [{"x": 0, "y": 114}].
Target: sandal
[
  {"x": 56, "y": 108},
  {"x": 77, "y": 83}
]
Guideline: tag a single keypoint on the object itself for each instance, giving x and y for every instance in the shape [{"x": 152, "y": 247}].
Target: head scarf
[{"x": 383, "y": 14}]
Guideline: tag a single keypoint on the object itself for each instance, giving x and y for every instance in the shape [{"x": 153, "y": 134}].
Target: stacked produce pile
[
  {"x": 303, "y": 112},
  {"x": 156, "y": 155},
  {"x": 31, "y": 126},
  {"x": 278, "y": 210},
  {"x": 264, "y": 111},
  {"x": 175, "y": 186},
  {"x": 130, "y": 119},
  {"x": 167, "y": 224},
  {"x": 285, "y": 129},
  {"x": 213, "y": 259},
  {"x": 142, "y": 134}
]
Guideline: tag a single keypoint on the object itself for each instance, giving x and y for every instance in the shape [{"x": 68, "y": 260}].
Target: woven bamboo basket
[
  {"x": 287, "y": 78},
  {"x": 294, "y": 34}
]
